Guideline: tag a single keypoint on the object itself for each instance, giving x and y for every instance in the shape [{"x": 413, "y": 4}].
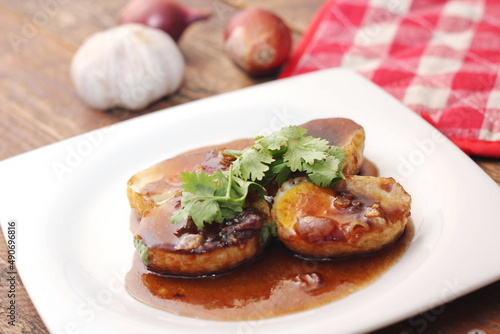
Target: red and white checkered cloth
[{"x": 440, "y": 58}]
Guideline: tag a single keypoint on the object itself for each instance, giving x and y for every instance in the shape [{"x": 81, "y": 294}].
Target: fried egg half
[{"x": 358, "y": 215}]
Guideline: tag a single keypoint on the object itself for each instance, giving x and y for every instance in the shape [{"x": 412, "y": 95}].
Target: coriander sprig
[
  {"x": 289, "y": 150},
  {"x": 213, "y": 198}
]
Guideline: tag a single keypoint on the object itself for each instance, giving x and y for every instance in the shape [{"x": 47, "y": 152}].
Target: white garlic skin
[{"x": 127, "y": 66}]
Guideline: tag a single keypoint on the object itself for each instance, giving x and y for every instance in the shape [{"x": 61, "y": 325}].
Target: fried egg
[{"x": 358, "y": 215}]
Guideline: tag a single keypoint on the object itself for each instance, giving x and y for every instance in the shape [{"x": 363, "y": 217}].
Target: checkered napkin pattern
[{"x": 440, "y": 58}]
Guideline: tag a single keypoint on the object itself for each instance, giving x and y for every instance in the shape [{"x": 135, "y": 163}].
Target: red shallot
[
  {"x": 258, "y": 41},
  {"x": 166, "y": 15}
]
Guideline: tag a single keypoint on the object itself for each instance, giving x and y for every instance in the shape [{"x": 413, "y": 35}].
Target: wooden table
[{"x": 39, "y": 107}]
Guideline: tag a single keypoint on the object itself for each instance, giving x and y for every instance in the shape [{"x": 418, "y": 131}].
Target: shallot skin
[
  {"x": 166, "y": 15},
  {"x": 258, "y": 41}
]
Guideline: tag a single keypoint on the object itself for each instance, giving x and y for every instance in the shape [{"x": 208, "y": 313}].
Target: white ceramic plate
[{"x": 74, "y": 247}]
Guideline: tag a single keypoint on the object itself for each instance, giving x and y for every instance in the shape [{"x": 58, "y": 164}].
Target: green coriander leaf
[
  {"x": 221, "y": 180},
  {"x": 252, "y": 164},
  {"x": 243, "y": 186},
  {"x": 228, "y": 213},
  {"x": 324, "y": 173},
  {"x": 233, "y": 153},
  {"x": 201, "y": 184},
  {"x": 315, "y": 148},
  {"x": 142, "y": 249},
  {"x": 281, "y": 171},
  {"x": 213, "y": 198},
  {"x": 187, "y": 202},
  {"x": 268, "y": 231},
  {"x": 280, "y": 138},
  {"x": 338, "y": 153},
  {"x": 181, "y": 215},
  {"x": 206, "y": 210},
  {"x": 232, "y": 206},
  {"x": 303, "y": 151}
]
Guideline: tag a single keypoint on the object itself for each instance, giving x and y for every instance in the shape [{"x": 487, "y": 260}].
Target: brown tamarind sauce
[{"x": 277, "y": 283}]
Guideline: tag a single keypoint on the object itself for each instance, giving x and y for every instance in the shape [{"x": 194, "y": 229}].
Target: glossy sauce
[{"x": 277, "y": 283}]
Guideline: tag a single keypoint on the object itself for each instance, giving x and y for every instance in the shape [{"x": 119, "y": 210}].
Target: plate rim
[{"x": 312, "y": 77}]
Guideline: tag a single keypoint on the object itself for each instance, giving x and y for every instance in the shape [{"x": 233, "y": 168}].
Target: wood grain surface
[{"x": 39, "y": 106}]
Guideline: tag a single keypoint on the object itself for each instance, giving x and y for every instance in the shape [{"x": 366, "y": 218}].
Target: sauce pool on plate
[{"x": 275, "y": 284}]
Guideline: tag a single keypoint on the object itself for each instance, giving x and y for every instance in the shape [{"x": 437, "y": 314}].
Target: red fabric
[{"x": 441, "y": 58}]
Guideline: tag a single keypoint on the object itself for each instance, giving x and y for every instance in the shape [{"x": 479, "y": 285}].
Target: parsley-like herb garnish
[
  {"x": 289, "y": 150},
  {"x": 142, "y": 249},
  {"x": 211, "y": 198}
]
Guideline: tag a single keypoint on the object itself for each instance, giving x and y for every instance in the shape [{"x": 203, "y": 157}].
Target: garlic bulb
[{"x": 128, "y": 66}]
